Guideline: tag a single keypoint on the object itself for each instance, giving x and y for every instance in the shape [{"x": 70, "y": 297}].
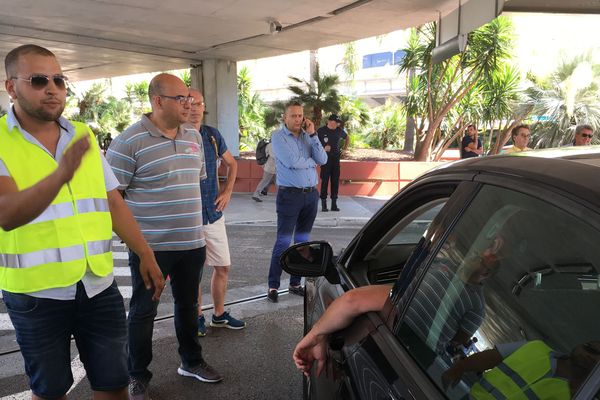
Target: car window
[
  {"x": 514, "y": 288},
  {"x": 388, "y": 256}
]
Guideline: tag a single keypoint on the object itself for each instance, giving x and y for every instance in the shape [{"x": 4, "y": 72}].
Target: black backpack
[{"x": 261, "y": 151}]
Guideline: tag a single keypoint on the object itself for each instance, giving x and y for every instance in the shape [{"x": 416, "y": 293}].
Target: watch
[{"x": 313, "y": 135}]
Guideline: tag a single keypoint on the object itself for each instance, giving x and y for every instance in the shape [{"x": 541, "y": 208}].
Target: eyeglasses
[
  {"x": 587, "y": 135},
  {"x": 591, "y": 349},
  {"x": 181, "y": 99},
  {"x": 40, "y": 81},
  {"x": 197, "y": 103}
]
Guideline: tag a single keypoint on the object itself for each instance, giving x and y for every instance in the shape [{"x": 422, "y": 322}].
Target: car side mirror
[{"x": 309, "y": 259}]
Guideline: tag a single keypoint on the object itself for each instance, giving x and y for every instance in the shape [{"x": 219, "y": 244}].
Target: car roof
[{"x": 575, "y": 170}]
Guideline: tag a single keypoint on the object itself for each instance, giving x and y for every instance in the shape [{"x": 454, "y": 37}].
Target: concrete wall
[{"x": 357, "y": 178}]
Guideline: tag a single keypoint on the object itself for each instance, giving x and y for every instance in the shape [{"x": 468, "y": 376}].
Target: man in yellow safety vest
[
  {"x": 58, "y": 208},
  {"x": 529, "y": 370}
]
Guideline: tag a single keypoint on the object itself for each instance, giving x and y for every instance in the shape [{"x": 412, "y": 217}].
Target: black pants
[
  {"x": 331, "y": 170},
  {"x": 185, "y": 269}
]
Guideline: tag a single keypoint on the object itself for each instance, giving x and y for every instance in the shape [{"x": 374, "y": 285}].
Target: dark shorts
[{"x": 44, "y": 327}]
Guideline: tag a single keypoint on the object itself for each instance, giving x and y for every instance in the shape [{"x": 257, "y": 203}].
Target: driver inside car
[{"x": 342, "y": 311}]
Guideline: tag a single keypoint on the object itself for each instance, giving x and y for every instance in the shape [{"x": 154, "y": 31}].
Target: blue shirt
[
  {"x": 297, "y": 158},
  {"x": 208, "y": 187}
]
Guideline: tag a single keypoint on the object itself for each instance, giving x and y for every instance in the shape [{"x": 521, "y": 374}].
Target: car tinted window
[
  {"x": 414, "y": 230},
  {"x": 517, "y": 277},
  {"x": 387, "y": 258}
]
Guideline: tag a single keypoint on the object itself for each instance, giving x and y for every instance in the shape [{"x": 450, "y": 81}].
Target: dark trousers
[
  {"x": 185, "y": 269},
  {"x": 296, "y": 212},
  {"x": 331, "y": 170}
]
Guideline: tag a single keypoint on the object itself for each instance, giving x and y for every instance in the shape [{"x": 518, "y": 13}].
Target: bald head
[
  {"x": 170, "y": 101},
  {"x": 161, "y": 83}
]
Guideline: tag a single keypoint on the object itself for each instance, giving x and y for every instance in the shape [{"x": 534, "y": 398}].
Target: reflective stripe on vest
[
  {"x": 523, "y": 375},
  {"x": 63, "y": 210},
  {"x": 72, "y": 234}
]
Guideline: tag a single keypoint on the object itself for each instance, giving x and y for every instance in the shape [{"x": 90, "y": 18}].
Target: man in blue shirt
[
  {"x": 214, "y": 200},
  {"x": 297, "y": 151}
]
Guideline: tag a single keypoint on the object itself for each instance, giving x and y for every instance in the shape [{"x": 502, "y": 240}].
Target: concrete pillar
[{"x": 217, "y": 79}]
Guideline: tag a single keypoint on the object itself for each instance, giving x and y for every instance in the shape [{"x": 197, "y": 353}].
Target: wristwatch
[{"x": 313, "y": 135}]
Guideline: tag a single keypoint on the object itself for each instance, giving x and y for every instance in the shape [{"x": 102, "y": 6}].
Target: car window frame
[{"x": 386, "y": 218}]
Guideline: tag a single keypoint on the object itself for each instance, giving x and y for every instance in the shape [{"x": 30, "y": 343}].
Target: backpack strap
[{"x": 215, "y": 146}]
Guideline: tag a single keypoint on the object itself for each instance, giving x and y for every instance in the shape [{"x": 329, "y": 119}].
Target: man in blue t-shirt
[
  {"x": 214, "y": 200},
  {"x": 471, "y": 144},
  {"x": 330, "y": 136}
]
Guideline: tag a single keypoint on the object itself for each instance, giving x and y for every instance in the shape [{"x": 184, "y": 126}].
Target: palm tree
[
  {"x": 570, "y": 96},
  {"x": 436, "y": 89},
  {"x": 319, "y": 96},
  {"x": 137, "y": 95},
  {"x": 106, "y": 116},
  {"x": 388, "y": 126}
]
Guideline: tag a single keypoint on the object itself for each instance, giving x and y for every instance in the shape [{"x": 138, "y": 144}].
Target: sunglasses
[
  {"x": 591, "y": 349},
  {"x": 40, "y": 81},
  {"x": 587, "y": 135},
  {"x": 180, "y": 99}
]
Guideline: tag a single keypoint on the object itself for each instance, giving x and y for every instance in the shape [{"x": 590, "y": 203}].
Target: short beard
[{"x": 39, "y": 113}]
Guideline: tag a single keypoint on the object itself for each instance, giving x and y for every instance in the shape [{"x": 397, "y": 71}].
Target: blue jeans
[
  {"x": 44, "y": 327},
  {"x": 185, "y": 269},
  {"x": 296, "y": 212}
]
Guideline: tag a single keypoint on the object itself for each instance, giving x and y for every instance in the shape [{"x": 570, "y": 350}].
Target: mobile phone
[{"x": 303, "y": 123}]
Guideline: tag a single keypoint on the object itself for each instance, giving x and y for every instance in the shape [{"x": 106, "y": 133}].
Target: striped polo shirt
[{"x": 160, "y": 178}]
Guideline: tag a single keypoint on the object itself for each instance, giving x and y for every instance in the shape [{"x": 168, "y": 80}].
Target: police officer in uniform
[{"x": 330, "y": 136}]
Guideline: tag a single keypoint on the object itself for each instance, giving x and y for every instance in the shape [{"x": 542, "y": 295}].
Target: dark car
[{"x": 499, "y": 251}]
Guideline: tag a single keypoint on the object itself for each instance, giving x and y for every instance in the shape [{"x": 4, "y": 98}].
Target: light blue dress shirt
[{"x": 297, "y": 158}]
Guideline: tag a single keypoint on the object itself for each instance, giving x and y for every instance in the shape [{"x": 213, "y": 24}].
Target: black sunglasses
[
  {"x": 587, "y": 135},
  {"x": 39, "y": 81}
]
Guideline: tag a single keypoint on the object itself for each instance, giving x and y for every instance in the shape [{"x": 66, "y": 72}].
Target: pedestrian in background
[
  {"x": 520, "y": 136},
  {"x": 583, "y": 135},
  {"x": 298, "y": 152},
  {"x": 269, "y": 173},
  {"x": 330, "y": 136},
  {"x": 471, "y": 145},
  {"x": 215, "y": 198}
]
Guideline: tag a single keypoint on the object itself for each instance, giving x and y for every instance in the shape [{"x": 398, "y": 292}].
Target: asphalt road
[{"x": 256, "y": 362}]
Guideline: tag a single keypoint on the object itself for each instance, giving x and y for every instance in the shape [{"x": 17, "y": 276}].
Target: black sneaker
[
  {"x": 272, "y": 296},
  {"x": 297, "y": 290},
  {"x": 138, "y": 389},
  {"x": 203, "y": 372},
  {"x": 257, "y": 199},
  {"x": 264, "y": 192}
]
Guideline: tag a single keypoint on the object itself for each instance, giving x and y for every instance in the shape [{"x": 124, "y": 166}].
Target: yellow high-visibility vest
[
  {"x": 72, "y": 234},
  {"x": 524, "y": 375}
]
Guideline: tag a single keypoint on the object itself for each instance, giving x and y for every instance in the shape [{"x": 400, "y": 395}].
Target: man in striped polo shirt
[{"x": 159, "y": 164}]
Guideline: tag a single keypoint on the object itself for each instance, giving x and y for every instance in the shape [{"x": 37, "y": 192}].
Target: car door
[
  {"x": 520, "y": 269},
  {"x": 376, "y": 256}
]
